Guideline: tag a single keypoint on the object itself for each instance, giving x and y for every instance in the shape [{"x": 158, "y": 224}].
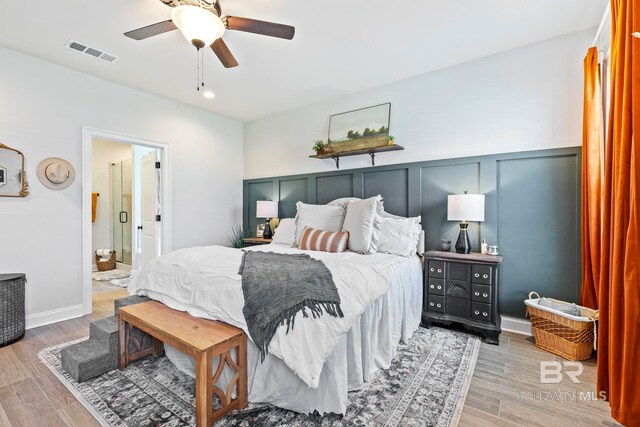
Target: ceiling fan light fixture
[{"x": 199, "y": 26}]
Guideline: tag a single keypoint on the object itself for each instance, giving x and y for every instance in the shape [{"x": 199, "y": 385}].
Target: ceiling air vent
[{"x": 91, "y": 51}]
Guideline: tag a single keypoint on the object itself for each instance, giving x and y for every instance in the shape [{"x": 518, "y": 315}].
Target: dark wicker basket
[
  {"x": 12, "y": 317},
  {"x": 107, "y": 265}
]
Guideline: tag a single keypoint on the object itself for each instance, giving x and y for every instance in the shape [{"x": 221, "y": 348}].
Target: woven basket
[
  {"x": 110, "y": 264},
  {"x": 564, "y": 336},
  {"x": 12, "y": 318}
]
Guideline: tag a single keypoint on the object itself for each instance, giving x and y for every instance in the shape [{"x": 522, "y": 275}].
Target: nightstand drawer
[
  {"x": 458, "y": 271},
  {"x": 436, "y": 269},
  {"x": 436, "y": 304},
  {"x": 457, "y": 288},
  {"x": 480, "y": 311},
  {"x": 481, "y": 293},
  {"x": 458, "y": 307},
  {"x": 436, "y": 286},
  {"x": 481, "y": 274}
]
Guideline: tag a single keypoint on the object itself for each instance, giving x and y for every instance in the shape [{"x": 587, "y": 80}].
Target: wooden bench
[{"x": 201, "y": 339}]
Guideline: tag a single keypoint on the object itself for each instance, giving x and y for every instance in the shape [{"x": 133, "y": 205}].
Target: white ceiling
[{"x": 341, "y": 46}]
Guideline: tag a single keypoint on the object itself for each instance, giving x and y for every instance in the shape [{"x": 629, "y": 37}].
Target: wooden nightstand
[
  {"x": 253, "y": 241},
  {"x": 464, "y": 289}
]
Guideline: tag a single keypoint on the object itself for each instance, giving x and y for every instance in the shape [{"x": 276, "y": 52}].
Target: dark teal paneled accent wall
[
  {"x": 394, "y": 184},
  {"x": 333, "y": 187},
  {"x": 539, "y": 226},
  {"x": 532, "y": 210}
]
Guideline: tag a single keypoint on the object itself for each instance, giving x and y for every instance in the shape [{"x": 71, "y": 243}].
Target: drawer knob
[
  {"x": 439, "y": 270},
  {"x": 439, "y": 305},
  {"x": 476, "y": 312},
  {"x": 485, "y": 276},
  {"x": 477, "y": 275},
  {"x": 439, "y": 287},
  {"x": 484, "y": 313},
  {"x": 478, "y": 294},
  {"x": 432, "y": 287},
  {"x": 485, "y": 295},
  {"x": 432, "y": 269},
  {"x": 431, "y": 304}
]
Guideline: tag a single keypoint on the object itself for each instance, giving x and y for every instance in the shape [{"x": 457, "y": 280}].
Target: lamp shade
[
  {"x": 465, "y": 207},
  {"x": 197, "y": 23},
  {"x": 266, "y": 209}
]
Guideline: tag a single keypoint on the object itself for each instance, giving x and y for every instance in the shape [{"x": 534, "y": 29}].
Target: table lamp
[
  {"x": 267, "y": 209},
  {"x": 465, "y": 207}
]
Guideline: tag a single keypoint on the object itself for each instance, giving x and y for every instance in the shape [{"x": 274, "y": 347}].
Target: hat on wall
[{"x": 56, "y": 173}]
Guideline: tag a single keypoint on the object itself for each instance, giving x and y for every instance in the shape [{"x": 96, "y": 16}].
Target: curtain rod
[{"x": 606, "y": 14}]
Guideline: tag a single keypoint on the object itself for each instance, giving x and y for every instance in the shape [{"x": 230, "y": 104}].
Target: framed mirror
[{"x": 13, "y": 178}]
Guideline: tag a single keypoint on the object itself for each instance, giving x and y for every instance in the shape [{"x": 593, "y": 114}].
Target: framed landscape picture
[{"x": 360, "y": 129}]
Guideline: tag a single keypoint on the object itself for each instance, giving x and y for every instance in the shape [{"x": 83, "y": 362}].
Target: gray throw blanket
[{"x": 277, "y": 286}]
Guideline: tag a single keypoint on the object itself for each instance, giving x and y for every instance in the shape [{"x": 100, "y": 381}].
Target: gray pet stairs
[{"x": 99, "y": 354}]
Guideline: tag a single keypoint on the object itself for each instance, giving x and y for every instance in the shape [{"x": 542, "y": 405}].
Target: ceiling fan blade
[
  {"x": 151, "y": 30},
  {"x": 223, "y": 53},
  {"x": 260, "y": 27}
]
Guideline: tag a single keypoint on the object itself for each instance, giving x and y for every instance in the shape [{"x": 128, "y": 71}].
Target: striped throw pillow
[{"x": 326, "y": 241}]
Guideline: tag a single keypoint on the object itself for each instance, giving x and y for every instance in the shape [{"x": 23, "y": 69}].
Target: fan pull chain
[
  {"x": 202, "y": 63},
  {"x": 199, "y": 70}
]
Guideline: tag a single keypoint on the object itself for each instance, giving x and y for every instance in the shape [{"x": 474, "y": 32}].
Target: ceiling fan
[{"x": 203, "y": 24}]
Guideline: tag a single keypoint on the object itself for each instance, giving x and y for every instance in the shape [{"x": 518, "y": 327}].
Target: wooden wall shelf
[{"x": 370, "y": 151}]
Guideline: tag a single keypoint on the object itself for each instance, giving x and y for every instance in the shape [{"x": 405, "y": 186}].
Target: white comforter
[{"x": 205, "y": 282}]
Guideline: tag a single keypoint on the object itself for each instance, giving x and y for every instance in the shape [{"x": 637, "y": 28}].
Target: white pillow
[
  {"x": 320, "y": 217},
  {"x": 285, "y": 234},
  {"x": 397, "y": 236},
  {"x": 343, "y": 201},
  {"x": 358, "y": 221},
  {"x": 386, "y": 214}
]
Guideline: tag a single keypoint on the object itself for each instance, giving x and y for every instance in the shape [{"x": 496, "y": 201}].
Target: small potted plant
[
  {"x": 391, "y": 140},
  {"x": 319, "y": 146}
]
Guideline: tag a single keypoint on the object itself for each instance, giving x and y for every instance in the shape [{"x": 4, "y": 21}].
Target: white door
[{"x": 150, "y": 197}]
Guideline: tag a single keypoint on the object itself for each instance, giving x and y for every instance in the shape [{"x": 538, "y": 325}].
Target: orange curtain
[
  {"x": 592, "y": 138},
  {"x": 619, "y": 290}
]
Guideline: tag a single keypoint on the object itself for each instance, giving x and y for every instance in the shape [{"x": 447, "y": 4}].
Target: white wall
[
  {"x": 42, "y": 109},
  {"x": 525, "y": 99},
  {"x": 104, "y": 153}
]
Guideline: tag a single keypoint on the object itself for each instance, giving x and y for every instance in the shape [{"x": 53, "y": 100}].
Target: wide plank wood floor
[
  {"x": 30, "y": 395},
  {"x": 505, "y": 389}
]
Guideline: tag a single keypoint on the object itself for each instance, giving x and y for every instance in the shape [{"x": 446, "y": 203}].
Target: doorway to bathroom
[
  {"x": 125, "y": 211},
  {"x": 125, "y": 191}
]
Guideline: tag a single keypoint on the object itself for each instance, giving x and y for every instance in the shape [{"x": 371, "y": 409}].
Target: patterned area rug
[
  {"x": 426, "y": 385},
  {"x": 110, "y": 275}
]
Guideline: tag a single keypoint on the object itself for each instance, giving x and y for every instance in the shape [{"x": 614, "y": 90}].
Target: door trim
[{"x": 88, "y": 134}]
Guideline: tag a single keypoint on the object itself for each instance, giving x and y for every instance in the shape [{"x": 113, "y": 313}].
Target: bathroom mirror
[{"x": 13, "y": 179}]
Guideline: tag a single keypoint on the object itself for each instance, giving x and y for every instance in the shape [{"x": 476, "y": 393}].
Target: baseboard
[
  {"x": 53, "y": 316},
  {"x": 516, "y": 325}
]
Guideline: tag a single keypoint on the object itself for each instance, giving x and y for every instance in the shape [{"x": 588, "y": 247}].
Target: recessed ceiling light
[{"x": 209, "y": 95}]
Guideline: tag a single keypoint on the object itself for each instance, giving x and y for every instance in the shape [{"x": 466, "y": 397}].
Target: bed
[{"x": 314, "y": 365}]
